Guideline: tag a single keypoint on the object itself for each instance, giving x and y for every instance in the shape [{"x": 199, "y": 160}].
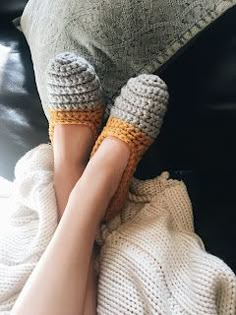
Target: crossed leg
[
  {"x": 72, "y": 148},
  {"x": 90, "y": 302},
  {"x": 59, "y": 282}
]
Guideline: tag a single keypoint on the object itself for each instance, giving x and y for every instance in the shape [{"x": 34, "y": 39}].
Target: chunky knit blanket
[
  {"x": 121, "y": 38},
  {"x": 150, "y": 262}
]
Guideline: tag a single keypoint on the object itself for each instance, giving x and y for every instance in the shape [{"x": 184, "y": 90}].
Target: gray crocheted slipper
[
  {"x": 74, "y": 93},
  {"x": 135, "y": 118}
]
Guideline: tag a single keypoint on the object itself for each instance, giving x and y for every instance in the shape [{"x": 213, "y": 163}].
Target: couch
[{"x": 196, "y": 143}]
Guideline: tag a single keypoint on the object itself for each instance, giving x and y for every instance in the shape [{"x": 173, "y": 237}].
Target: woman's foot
[
  {"x": 76, "y": 108},
  {"x": 74, "y": 92},
  {"x": 135, "y": 119}
]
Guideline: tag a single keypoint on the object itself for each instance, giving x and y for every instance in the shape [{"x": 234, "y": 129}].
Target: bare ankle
[
  {"x": 72, "y": 143},
  {"x": 72, "y": 147},
  {"x": 114, "y": 151},
  {"x": 109, "y": 161}
]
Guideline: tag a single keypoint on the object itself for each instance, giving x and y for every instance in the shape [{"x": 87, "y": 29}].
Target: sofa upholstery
[{"x": 196, "y": 143}]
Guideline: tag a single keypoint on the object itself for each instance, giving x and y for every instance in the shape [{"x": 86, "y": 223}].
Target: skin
[
  {"x": 71, "y": 148},
  {"x": 63, "y": 282}
]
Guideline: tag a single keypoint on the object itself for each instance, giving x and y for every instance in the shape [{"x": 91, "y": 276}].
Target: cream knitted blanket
[{"x": 151, "y": 261}]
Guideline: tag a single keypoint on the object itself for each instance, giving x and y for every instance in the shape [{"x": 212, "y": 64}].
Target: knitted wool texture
[
  {"x": 121, "y": 38},
  {"x": 75, "y": 94},
  {"x": 135, "y": 118},
  {"x": 151, "y": 261}
]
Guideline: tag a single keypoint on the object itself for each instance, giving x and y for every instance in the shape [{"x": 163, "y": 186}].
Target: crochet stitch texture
[
  {"x": 135, "y": 118},
  {"x": 75, "y": 94}
]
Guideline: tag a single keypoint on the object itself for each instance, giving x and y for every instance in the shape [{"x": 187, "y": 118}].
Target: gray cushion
[{"x": 119, "y": 38}]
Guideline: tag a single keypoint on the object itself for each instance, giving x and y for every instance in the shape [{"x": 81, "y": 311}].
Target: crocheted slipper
[
  {"x": 74, "y": 92},
  {"x": 135, "y": 118}
]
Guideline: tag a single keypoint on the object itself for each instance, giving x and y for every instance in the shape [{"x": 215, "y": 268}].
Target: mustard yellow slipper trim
[
  {"x": 138, "y": 143},
  {"x": 91, "y": 118}
]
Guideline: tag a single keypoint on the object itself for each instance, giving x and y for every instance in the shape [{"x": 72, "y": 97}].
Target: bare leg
[
  {"x": 90, "y": 302},
  {"x": 71, "y": 149},
  {"x": 58, "y": 283}
]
